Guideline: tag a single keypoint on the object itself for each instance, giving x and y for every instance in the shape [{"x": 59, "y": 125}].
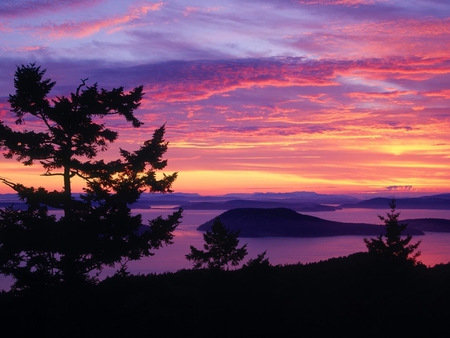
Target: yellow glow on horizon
[
  {"x": 217, "y": 182},
  {"x": 222, "y": 182},
  {"x": 410, "y": 164},
  {"x": 410, "y": 147}
]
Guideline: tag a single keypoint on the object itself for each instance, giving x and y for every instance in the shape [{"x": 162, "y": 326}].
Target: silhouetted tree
[
  {"x": 97, "y": 228},
  {"x": 221, "y": 249},
  {"x": 391, "y": 245},
  {"x": 259, "y": 262}
]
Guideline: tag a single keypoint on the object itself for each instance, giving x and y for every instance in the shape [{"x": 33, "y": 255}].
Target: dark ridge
[
  {"x": 438, "y": 202},
  {"x": 305, "y": 197},
  {"x": 283, "y": 222},
  {"x": 227, "y": 205},
  {"x": 444, "y": 196},
  {"x": 428, "y": 224}
]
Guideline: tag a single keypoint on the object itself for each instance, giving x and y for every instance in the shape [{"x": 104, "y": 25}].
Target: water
[{"x": 435, "y": 247}]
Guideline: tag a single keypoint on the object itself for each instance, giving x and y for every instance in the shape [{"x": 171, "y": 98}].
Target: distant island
[
  {"x": 301, "y": 201},
  {"x": 435, "y": 202},
  {"x": 284, "y": 222},
  {"x": 227, "y": 205}
]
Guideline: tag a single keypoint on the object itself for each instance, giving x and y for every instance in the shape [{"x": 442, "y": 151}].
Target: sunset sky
[{"x": 331, "y": 96}]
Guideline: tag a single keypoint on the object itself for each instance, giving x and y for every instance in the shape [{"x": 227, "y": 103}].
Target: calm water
[{"x": 435, "y": 247}]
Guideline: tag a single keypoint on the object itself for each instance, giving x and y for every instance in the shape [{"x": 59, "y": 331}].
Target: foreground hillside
[{"x": 352, "y": 297}]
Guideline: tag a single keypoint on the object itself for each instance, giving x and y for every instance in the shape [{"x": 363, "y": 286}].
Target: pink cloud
[
  {"x": 420, "y": 37},
  {"x": 193, "y": 82},
  {"x": 340, "y": 2},
  {"x": 23, "y": 49},
  {"x": 31, "y": 7},
  {"x": 4, "y": 110},
  {"x": 321, "y": 98},
  {"x": 189, "y": 10},
  {"x": 427, "y": 27},
  {"x": 372, "y": 96},
  {"x": 440, "y": 94},
  {"x": 5, "y": 29},
  {"x": 80, "y": 29},
  {"x": 209, "y": 79},
  {"x": 413, "y": 68}
]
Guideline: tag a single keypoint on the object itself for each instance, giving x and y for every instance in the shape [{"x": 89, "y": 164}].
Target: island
[{"x": 285, "y": 222}]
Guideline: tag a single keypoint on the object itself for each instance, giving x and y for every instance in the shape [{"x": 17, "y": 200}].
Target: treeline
[{"x": 354, "y": 296}]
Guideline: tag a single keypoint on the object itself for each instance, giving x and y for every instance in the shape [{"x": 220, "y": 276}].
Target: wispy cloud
[
  {"x": 340, "y": 2},
  {"x": 21, "y": 8},
  {"x": 80, "y": 29}
]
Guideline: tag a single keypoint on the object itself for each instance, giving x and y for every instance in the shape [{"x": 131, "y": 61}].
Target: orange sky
[{"x": 329, "y": 96}]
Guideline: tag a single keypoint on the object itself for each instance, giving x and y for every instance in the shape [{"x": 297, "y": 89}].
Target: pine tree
[
  {"x": 221, "y": 249},
  {"x": 391, "y": 246},
  {"x": 97, "y": 228}
]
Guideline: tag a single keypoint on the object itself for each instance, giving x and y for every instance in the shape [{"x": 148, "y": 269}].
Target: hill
[
  {"x": 436, "y": 202},
  {"x": 283, "y": 222},
  {"x": 428, "y": 224}
]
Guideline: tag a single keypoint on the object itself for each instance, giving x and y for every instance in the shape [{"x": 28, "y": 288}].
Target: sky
[{"x": 331, "y": 96}]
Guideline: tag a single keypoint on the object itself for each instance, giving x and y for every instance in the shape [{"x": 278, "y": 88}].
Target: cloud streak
[
  {"x": 81, "y": 29},
  {"x": 21, "y": 8}
]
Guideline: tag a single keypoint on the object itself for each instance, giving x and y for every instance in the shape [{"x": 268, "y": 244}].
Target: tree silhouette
[
  {"x": 97, "y": 228},
  {"x": 221, "y": 249},
  {"x": 393, "y": 247},
  {"x": 259, "y": 262}
]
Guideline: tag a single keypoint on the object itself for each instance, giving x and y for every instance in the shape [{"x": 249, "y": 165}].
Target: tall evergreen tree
[
  {"x": 391, "y": 246},
  {"x": 97, "y": 228}
]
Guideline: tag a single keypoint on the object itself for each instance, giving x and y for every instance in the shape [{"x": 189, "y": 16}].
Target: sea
[{"x": 435, "y": 247}]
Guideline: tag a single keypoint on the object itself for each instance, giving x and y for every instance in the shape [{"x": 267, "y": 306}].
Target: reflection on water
[{"x": 435, "y": 247}]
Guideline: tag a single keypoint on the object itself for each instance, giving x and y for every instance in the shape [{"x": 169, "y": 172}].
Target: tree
[
  {"x": 260, "y": 262},
  {"x": 97, "y": 228},
  {"x": 221, "y": 248},
  {"x": 393, "y": 247}
]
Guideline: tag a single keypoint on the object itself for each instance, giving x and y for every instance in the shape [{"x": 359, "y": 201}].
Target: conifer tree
[
  {"x": 97, "y": 228},
  {"x": 391, "y": 246},
  {"x": 220, "y": 249}
]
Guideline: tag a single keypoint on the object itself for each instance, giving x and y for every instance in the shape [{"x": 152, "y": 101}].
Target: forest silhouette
[{"x": 55, "y": 262}]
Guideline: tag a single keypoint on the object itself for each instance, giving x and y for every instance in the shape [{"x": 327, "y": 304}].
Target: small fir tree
[
  {"x": 220, "y": 249},
  {"x": 391, "y": 246}
]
